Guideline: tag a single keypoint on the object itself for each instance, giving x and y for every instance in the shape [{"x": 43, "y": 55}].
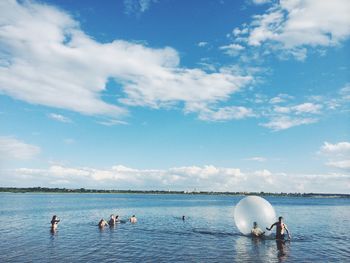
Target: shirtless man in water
[
  {"x": 133, "y": 219},
  {"x": 54, "y": 223},
  {"x": 112, "y": 220},
  {"x": 280, "y": 228}
]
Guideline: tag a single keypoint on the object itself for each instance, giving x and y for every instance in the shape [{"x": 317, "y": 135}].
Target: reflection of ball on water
[{"x": 254, "y": 209}]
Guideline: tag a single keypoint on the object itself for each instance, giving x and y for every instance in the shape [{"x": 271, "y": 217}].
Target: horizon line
[{"x": 90, "y": 190}]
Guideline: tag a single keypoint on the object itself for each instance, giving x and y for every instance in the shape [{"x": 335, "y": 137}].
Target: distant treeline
[{"x": 83, "y": 190}]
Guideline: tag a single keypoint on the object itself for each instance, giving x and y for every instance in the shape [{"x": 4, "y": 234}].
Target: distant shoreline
[{"x": 97, "y": 191}]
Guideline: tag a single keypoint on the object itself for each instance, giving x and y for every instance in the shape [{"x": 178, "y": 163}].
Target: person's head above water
[
  {"x": 102, "y": 223},
  {"x": 255, "y": 224},
  {"x": 133, "y": 219},
  {"x": 55, "y": 220}
]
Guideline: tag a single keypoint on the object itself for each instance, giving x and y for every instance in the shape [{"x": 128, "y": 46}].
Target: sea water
[{"x": 319, "y": 227}]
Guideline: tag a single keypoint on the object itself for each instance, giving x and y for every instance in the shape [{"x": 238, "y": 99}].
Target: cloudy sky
[{"x": 246, "y": 95}]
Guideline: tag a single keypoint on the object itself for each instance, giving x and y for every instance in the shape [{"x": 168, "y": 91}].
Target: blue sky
[{"x": 248, "y": 95}]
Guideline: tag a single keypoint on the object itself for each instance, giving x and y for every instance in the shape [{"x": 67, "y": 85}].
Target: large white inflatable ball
[{"x": 254, "y": 209}]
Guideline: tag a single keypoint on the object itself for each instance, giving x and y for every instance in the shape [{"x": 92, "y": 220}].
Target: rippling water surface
[{"x": 319, "y": 227}]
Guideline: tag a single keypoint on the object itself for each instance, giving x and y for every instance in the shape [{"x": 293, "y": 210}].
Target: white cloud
[
  {"x": 207, "y": 177},
  {"x": 237, "y": 31},
  {"x": 302, "y": 108},
  {"x": 113, "y": 122},
  {"x": 51, "y": 61},
  {"x": 260, "y": 2},
  {"x": 285, "y": 122},
  {"x": 266, "y": 175},
  {"x": 184, "y": 178},
  {"x": 59, "y": 117},
  {"x": 257, "y": 159},
  {"x": 288, "y": 116},
  {"x": 232, "y": 49},
  {"x": 192, "y": 86},
  {"x": 280, "y": 98},
  {"x": 202, "y": 44},
  {"x": 337, "y": 148},
  {"x": 280, "y": 109},
  {"x": 12, "y": 148},
  {"x": 282, "y": 112},
  {"x": 294, "y": 25},
  {"x": 345, "y": 92},
  {"x": 338, "y": 154},
  {"x": 137, "y": 6},
  {"x": 226, "y": 113},
  {"x": 307, "y": 108},
  {"x": 344, "y": 164}
]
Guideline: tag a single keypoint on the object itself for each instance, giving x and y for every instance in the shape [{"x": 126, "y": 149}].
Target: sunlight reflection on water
[{"x": 207, "y": 235}]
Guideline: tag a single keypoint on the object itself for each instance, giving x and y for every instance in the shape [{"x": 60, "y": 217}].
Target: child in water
[{"x": 256, "y": 231}]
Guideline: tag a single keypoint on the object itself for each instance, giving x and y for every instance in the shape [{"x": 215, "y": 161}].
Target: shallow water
[{"x": 319, "y": 229}]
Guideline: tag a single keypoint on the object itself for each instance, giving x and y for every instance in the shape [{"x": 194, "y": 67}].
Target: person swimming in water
[
  {"x": 54, "y": 223},
  {"x": 102, "y": 223},
  {"x": 256, "y": 231},
  {"x": 183, "y": 218},
  {"x": 281, "y": 228},
  {"x": 112, "y": 220},
  {"x": 133, "y": 219}
]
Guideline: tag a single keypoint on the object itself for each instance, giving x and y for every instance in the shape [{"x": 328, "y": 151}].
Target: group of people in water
[
  {"x": 113, "y": 220},
  {"x": 281, "y": 229}
]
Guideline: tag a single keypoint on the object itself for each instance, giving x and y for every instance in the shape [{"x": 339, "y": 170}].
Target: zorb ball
[{"x": 254, "y": 209}]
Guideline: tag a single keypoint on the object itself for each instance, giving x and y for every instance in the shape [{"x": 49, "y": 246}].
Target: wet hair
[
  {"x": 280, "y": 218},
  {"x": 255, "y": 223},
  {"x": 54, "y": 220}
]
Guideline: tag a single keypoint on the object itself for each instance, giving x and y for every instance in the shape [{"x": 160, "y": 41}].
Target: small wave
[{"x": 215, "y": 233}]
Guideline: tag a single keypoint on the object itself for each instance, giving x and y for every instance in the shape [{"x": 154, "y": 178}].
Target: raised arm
[{"x": 271, "y": 226}]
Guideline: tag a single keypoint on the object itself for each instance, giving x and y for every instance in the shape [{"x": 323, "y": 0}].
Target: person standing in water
[
  {"x": 281, "y": 228},
  {"x": 133, "y": 219},
  {"x": 256, "y": 231},
  {"x": 54, "y": 223},
  {"x": 102, "y": 223},
  {"x": 112, "y": 220}
]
